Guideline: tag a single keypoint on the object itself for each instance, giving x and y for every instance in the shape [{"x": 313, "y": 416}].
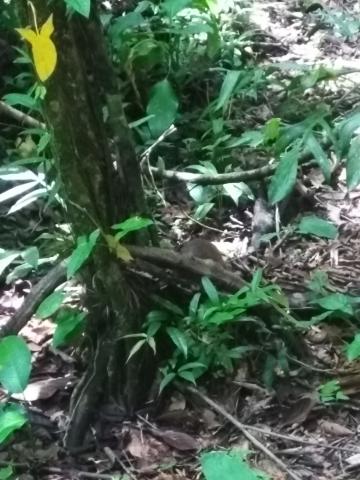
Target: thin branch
[
  {"x": 244, "y": 431},
  {"x": 21, "y": 117}
]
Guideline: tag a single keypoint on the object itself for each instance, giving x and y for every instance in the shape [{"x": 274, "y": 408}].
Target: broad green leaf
[
  {"x": 153, "y": 328},
  {"x": 319, "y": 154},
  {"x": 284, "y": 177},
  {"x": 353, "y": 349},
  {"x": 80, "y": 6},
  {"x": 125, "y": 22},
  {"x": 6, "y": 258},
  {"x": 16, "y": 191},
  {"x": 157, "y": 316},
  {"x": 227, "y": 88},
  {"x": 6, "y": 473},
  {"x": 152, "y": 344},
  {"x": 12, "y": 418},
  {"x": 179, "y": 339},
  {"x": 237, "y": 191},
  {"x": 15, "y": 364},
  {"x": 353, "y": 164},
  {"x": 130, "y": 225},
  {"x": 272, "y": 129},
  {"x": 163, "y": 104},
  {"x": 187, "y": 375},
  {"x": 210, "y": 290},
  {"x": 21, "y": 99},
  {"x": 229, "y": 466},
  {"x": 173, "y": 7},
  {"x": 31, "y": 256},
  {"x": 317, "y": 226},
  {"x": 81, "y": 253},
  {"x": 50, "y": 305},
  {"x": 202, "y": 210},
  {"x": 336, "y": 302},
  {"x": 69, "y": 323}
]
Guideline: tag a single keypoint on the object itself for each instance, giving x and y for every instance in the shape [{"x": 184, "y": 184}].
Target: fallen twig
[
  {"x": 244, "y": 431},
  {"x": 38, "y": 293}
]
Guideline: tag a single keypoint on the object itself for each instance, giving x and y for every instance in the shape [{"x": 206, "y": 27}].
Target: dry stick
[
  {"x": 20, "y": 117},
  {"x": 244, "y": 431},
  {"x": 40, "y": 291},
  {"x": 269, "y": 433}
]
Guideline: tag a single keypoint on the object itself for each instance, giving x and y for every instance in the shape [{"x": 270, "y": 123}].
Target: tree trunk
[{"x": 97, "y": 195}]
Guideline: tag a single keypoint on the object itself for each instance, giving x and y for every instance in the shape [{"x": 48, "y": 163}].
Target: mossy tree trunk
[{"x": 97, "y": 195}]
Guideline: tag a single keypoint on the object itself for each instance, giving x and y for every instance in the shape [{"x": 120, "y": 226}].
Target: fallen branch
[
  {"x": 20, "y": 117},
  {"x": 244, "y": 431},
  {"x": 38, "y": 293}
]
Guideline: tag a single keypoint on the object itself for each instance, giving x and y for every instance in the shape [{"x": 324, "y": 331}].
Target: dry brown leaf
[
  {"x": 300, "y": 411},
  {"x": 179, "y": 440},
  {"x": 43, "y": 389},
  {"x": 333, "y": 428}
]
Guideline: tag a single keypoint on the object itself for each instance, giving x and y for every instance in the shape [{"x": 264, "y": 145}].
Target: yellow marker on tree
[{"x": 43, "y": 48}]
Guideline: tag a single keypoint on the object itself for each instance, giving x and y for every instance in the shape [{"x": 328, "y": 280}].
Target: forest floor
[{"x": 314, "y": 439}]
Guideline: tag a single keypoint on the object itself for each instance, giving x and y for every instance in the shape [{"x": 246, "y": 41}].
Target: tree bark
[{"x": 97, "y": 195}]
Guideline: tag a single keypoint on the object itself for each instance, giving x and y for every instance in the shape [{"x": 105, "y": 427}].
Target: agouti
[{"x": 203, "y": 249}]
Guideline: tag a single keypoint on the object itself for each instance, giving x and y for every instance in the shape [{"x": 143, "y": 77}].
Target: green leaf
[
  {"x": 227, "y": 88},
  {"x": 353, "y": 349},
  {"x": 28, "y": 199},
  {"x": 31, "y": 256},
  {"x": 179, "y": 339},
  {"x": 16, "y": 191},
  {"x": 80, "y": 6},
  {"x": 194, "y": 305},
  {"x": 12, "y": 418},
  {"x": 229, "y": 466},
  {"x": 21, "y": 99},
  {"x": 136, "y": 348},
  {"x": 130, "y": 225},
  {"x": 82, "y": 252},
  {"x": 6, "y": 472},
  {"x": 284, "y": 178},
  {"x": 353, "y": 164},
  {"x": 336, "y": 302},
  {"x": 10, "y": 173},
  {"x": 15, "y": 364},
  {"x": 50, "y": 305},
  {"x": 169, "y": 377},
  {"x": 152, "y": 344},
  {"x": 6, "y": 258},
  {"x": 317, "y": 226},
  {"x": 320, "y": 156},
  {"x": 173, "y": 7},
  {"x": 345, "y": 131},
  {"x": 202, "y": 210},
  {"x": 188, "y": 376},
  {"x": 191, "y": 366},
  {"x": 163, "y": 104},
  {"x": 210, "y": 290},
  {"x": 69, "y": 324},
  {"x": 272, "y": 129},
  {"x": 129, "y": 21},
  {"x": 237, "y": 191}
]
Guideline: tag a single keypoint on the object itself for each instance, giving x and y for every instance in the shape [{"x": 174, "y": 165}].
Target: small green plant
[
  {"x": 230, "y": 465},
  {"x": 331, "y": 392},
  {"x": 206, "y": 339}
]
